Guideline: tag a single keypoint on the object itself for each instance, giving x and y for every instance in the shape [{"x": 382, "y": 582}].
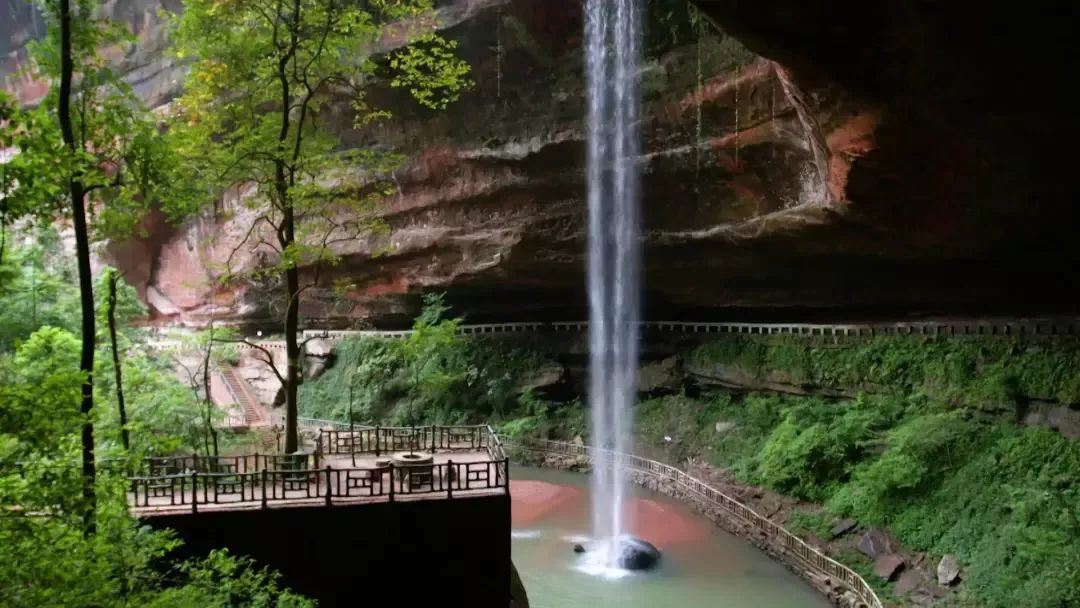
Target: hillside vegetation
[{"x": 929, "y": 448}]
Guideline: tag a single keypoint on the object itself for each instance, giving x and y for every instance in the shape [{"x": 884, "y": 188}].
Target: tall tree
[
  {"x": 255, "y": 118},
  {"x": 112, "y": 277},
  {"x": 93, "y": 137},
  {"x": 77, "y": 193}
]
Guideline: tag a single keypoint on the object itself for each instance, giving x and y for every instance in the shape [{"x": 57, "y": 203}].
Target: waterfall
[{"x": 613, "y": 63}]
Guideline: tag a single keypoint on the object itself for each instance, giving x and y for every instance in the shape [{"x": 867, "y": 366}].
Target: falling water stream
[{"x": 613, "y": 50}]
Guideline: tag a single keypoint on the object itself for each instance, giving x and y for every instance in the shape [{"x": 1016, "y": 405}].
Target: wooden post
[
  {"x": 506, "y": 474},
  {"x": 449, "y": 478},
  {"x": 433, "y": 439},
  {"x": 378, "y": 435},
  {"x": 194, "y": 491},
  {"x": 264, "y": 488},
  {"x": 391, "y": 481},
  {"x": 328, "y": 485}
]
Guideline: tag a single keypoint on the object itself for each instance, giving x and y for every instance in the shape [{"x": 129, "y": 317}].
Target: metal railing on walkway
[
  {"x": 811, "y": 557},
  {"x": 959, "y": 327}
]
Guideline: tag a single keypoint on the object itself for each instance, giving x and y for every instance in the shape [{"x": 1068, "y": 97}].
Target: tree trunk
[
  {"x": 82, "y": 256},
  {"x": 283, "y": 178},
  {"x": 292, "y": 351},
  {"x": 208, "y": 399},
  {"x": 3, "y": 232},
  {"x": 125, "y": 435}
]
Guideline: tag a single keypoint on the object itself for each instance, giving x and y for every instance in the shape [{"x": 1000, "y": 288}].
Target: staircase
[{"x": 243, "y": 396}]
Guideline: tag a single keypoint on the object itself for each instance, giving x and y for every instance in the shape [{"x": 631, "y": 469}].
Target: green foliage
[
  {"x": 117, "y": 154},
  {"x": 540, "y": 418},
  {"x": 920, "y": 456},
  {"x": 920, "y": 450},
  {"x": 436, "y": 375},
  {"x": 810, "y": 521},
  {"x": 430, "y": 71},
  {"x": 991, "y": 374},
  {"x": 225, "y": 581},
  {"x": 39, "y": 390},
  {"x": 1007, "y": 507},
  {"x": 817, "y": 444},
  {"x": 35, "y": 287},
  {"x": 265, "y": 83},
  {"x": 164, "y": 416},
  {"x": 48, "y": 352},
  {"x": 46, "y": 559},
  {"x": 29, "y": 188}
]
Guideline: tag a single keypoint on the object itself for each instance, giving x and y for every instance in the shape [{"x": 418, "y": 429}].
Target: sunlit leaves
[
  {"x": 431, "y": 72},
  {"x": 261, "y": 105}
]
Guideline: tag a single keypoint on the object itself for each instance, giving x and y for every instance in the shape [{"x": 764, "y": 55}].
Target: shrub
[{"x": 435, "y": 376}]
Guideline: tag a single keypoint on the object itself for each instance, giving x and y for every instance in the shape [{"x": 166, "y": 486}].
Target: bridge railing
[
  {"x": 811, "y": 557},
  {"x": 271, "y": 487}
]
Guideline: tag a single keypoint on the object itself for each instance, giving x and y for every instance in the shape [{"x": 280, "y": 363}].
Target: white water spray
[{"x": 613, "y": 63}]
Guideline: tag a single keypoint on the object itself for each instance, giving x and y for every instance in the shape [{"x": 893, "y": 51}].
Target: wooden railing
[
  {"x": 381, "y": 439},
  {"x": 270, "y": 479},
  {"x": 810, "y": 556},
  {"x": 271, "y": 487},
  {"x": 248, "y": 463},
  {"x": 321, "y": 423}
]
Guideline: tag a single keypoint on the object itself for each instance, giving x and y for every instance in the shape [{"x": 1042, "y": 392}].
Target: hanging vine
[
  {"x": 696, "y": 17},
  {"x": 738, "y": 75},
  {"x": 498, "y": 54}
]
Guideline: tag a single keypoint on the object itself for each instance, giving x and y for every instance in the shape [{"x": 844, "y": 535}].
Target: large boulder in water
[{"x": 636, "y": 554}]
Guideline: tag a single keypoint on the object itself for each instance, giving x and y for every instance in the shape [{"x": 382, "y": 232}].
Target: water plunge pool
[{"x": 702, "y": 566}]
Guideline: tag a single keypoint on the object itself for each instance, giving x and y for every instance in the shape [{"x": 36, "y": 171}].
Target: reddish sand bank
[
  {"x": 663, "y": 523},
  {"x": 660, "y": 522},
  {"x": 531, "y": 500}
]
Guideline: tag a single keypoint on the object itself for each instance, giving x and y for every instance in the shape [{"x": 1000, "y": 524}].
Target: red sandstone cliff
[{"x": 764, "y": 186}]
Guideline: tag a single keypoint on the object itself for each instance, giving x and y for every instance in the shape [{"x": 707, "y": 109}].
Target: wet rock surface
[{"x": 636, "y": 554}]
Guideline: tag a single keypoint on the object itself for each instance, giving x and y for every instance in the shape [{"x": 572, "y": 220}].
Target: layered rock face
[
  {"x": 491, "y": 200},
  {"x": 839, "y": 171},
  {"x": 961, "y": 202}
]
